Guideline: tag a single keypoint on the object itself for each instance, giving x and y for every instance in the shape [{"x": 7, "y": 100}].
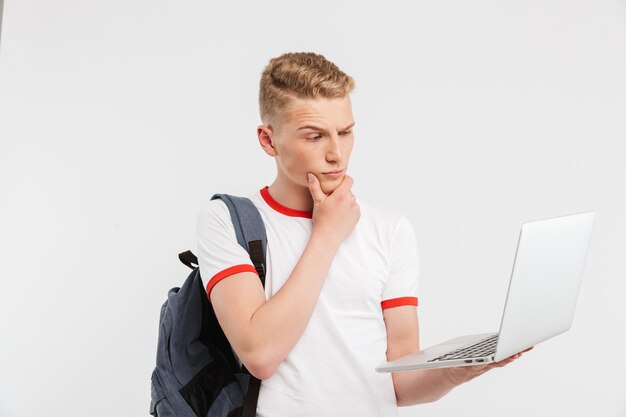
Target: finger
[
  {"x": 346, "y": 184},
  {"x": 315, "y": 189},
  {"x": 504, "y": 362}
]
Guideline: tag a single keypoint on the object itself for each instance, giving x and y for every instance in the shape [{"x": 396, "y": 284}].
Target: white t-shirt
[{"x": 330, "y": 370}]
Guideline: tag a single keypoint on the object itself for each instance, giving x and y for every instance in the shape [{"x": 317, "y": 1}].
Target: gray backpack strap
[
  {"x": 249, "y": 229},
  {"x": 250, "y": 232}
]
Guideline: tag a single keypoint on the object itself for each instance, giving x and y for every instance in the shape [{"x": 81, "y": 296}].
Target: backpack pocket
[
  {"x": 214, "y": 387},
  {"x": 159, "y": 404}
]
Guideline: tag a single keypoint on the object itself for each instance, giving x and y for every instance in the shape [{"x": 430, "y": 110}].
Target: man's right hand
[{"x": 334, "y": 214}]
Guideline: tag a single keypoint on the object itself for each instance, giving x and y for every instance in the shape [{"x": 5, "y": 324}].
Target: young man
[{"x": 342, "y": 276}]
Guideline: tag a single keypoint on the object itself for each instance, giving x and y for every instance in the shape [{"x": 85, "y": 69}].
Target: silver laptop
[{"x": 547, "y": 271}]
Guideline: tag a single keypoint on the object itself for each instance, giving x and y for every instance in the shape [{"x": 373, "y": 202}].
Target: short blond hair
[{"x": 299, "y": 74}]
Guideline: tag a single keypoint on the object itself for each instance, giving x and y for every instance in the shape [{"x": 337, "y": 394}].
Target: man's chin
[{"x": 329, "y": 186}]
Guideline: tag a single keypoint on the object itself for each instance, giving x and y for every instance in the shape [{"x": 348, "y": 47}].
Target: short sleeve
[
  {"x": 219, "y": 253},
  {"x": 403, "y": 263}
]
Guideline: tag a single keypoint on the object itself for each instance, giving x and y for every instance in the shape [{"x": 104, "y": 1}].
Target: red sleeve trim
[
  {"x": 396, "y": 302},
  {"x": 226, "y": 273}
]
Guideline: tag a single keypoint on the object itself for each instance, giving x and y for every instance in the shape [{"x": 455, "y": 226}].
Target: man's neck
[{"x": 291, "y": 195}]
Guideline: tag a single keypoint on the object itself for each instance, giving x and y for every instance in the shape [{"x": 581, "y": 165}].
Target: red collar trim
[{"x": 282, "y": 209}]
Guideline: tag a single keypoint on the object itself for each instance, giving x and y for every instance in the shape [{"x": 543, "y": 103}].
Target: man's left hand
[{"x": 461, "y": 374}]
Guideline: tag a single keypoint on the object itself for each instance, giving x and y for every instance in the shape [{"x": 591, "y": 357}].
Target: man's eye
[
  {"x": 314, "y": 138},
  {"x": 347, "y": 132}
]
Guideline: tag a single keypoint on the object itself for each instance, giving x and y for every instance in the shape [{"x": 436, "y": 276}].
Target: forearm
[
  {"x": 419, "y": 386},
  {"x": 422, "y": 386},
  {"x": 415, "y": 387},
  {"x": 278, "y": 324}
]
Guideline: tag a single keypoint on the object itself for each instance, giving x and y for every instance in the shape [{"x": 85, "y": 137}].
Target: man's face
[{"x": 314, "y": 135}]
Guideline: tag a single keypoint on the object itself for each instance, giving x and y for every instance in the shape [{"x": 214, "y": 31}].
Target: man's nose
[{"x": 334, "y": 152}]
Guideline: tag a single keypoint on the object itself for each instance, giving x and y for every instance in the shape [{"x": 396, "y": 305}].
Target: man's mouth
[{"x": 333, "y": 174}]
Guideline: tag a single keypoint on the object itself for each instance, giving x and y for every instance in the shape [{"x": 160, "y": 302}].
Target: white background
[{"x": 120, "y": 118}]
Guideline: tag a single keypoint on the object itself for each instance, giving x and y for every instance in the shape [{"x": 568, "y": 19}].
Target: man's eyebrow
[
  {"x": 348, "y": 127},
  {"x": 323, "y": 130}
]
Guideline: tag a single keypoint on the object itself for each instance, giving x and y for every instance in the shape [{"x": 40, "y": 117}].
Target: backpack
[{"x": 197, "y": 373}]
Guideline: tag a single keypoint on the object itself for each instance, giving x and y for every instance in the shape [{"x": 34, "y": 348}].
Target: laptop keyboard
[{"x": 484, "y": 347}]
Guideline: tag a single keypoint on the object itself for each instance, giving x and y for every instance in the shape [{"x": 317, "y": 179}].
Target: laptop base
[{"x": 420, "y": 360}]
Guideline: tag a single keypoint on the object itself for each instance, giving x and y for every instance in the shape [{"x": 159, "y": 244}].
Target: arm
[
  {"x": 411, "y": 387},
  {"x": 425, "y": 385},
  {"x": 262, "y": 333}
]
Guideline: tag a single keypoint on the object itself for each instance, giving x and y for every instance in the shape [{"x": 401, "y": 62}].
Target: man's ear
[{"x": 265, "y": 133}]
